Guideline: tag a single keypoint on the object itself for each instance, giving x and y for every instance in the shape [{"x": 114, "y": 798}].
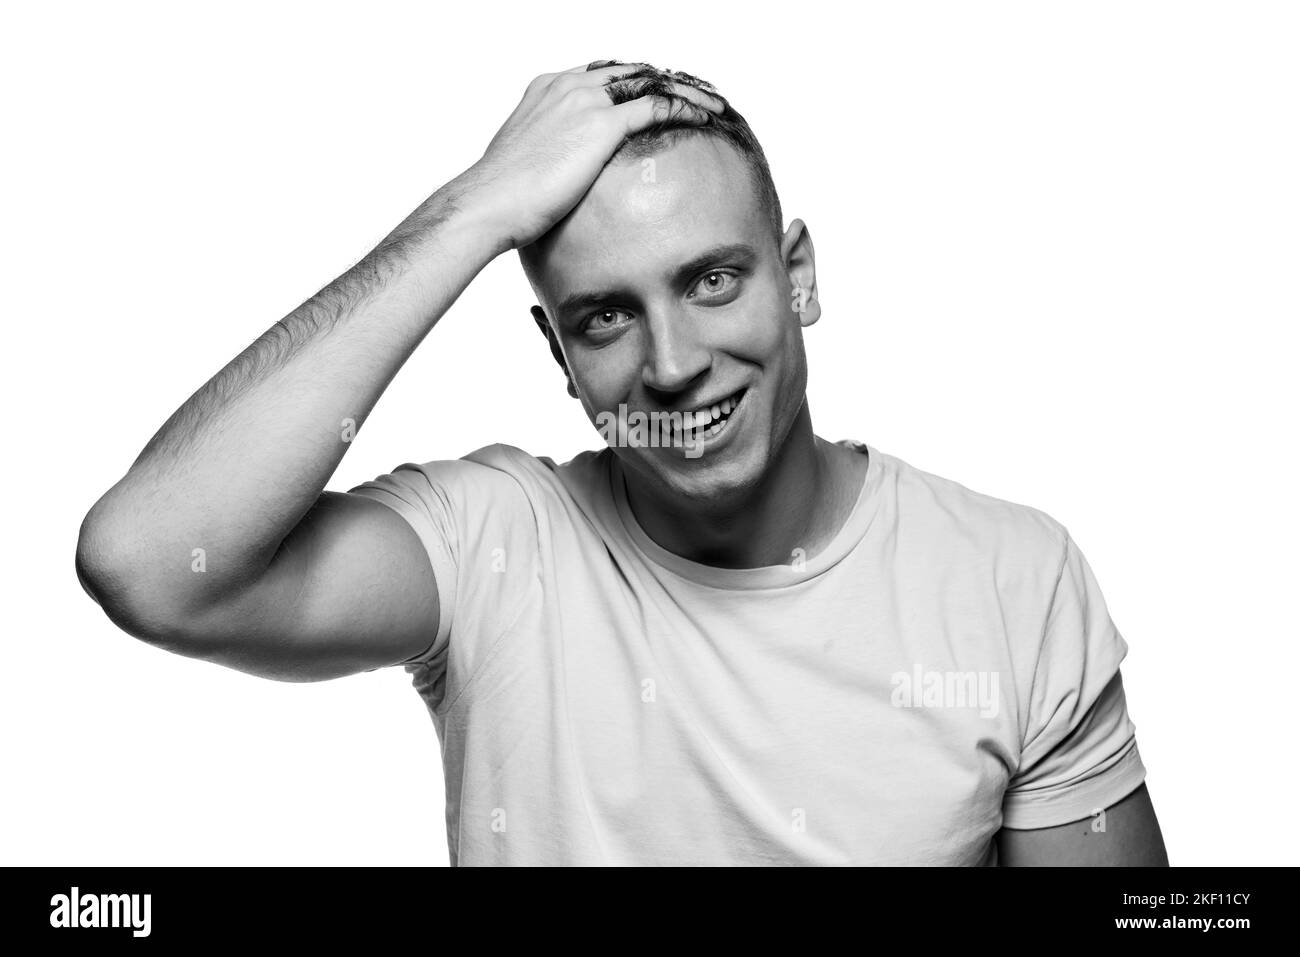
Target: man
[{"x": 722, "y": 639}]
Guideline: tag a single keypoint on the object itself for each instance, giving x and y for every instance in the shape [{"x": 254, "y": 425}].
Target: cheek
[
  {"x": 604, "y": 377},
  {"x": 767, "y": 332}
]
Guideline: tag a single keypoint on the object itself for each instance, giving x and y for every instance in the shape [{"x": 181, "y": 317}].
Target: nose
[{"x": 675, "y": 357}]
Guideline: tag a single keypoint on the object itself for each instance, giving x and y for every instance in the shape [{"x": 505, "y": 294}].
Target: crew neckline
[{"x": 766, "y": 576}]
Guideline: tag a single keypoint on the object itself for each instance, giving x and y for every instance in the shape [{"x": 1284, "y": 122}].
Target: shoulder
[
  {"x": 541, "y": 472},
  {"x": 499, "y": 474},
  {"x": 968, "y": 522}
]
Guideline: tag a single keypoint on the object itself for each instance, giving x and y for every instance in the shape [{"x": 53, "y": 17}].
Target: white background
[{"x": 1057, "y": 254}]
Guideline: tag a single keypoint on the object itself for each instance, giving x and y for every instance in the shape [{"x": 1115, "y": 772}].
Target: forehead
[{"x": 645, "y": 215}]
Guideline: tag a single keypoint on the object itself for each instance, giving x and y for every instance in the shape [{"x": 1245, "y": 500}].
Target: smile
[{"x": 710, "y": 420}]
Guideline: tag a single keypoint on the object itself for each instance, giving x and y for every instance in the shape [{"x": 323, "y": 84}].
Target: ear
[
  {"x": 801, "y": 267},
  {"x": 544, "y": 325}
]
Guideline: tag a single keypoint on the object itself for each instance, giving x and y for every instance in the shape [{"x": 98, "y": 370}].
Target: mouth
[{"x": 709, "y": 421}]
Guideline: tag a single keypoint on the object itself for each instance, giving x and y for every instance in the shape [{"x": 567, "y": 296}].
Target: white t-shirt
[{"x": 945, "y": 667}]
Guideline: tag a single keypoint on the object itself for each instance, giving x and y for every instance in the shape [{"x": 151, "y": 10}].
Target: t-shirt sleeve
[
  {"x": 1079, "y": 751},
  {"x": 479, "y": 531}
]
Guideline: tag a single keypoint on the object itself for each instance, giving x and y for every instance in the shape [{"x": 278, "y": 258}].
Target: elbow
[
  {"x": 92, "y": 560},
  {"x": 118, "y": 581}
]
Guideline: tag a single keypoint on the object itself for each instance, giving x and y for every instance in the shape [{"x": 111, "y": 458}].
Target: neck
[{"x": 800, "y": 503}]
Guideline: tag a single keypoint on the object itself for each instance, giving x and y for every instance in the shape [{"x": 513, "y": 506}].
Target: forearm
[{"x": 235, "y": 468}]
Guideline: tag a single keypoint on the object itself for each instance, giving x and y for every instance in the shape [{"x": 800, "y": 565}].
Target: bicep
[
  {"x": 351, "y": 589},
  {"x": 1127, "y": 835}
]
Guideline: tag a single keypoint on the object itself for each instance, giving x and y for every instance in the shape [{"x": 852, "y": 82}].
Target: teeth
[{"x": 697, "y": 423}]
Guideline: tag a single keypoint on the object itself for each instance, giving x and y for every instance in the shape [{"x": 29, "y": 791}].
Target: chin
[{"x": 722, "y": 479}]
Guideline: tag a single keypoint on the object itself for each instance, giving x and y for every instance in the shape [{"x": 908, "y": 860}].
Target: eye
[
  {"x": 715, "y": 284},
  {"x": 605, "y": 320}
]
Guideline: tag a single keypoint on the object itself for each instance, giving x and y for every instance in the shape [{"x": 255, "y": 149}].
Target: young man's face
[{"x": 668, "y": 293}]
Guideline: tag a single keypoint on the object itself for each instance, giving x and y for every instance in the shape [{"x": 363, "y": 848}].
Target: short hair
[{"x": 727, "y": 125}]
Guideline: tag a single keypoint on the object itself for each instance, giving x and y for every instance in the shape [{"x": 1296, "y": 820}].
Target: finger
[
  {"x": 710, "y": 101},
  {"x": 596, "y": 65},
  {"x": 593, "y": 79},
  {"x": 695, "y": 97},
  {"x": 644, "y": 110},
  {"x": 583, "y": 67},
  {"x": 604, "y": 74},
  {"x": 580, "y": 76}
]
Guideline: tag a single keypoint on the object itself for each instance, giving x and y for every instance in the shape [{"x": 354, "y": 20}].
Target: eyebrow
[{"x": 741, "y": 253}]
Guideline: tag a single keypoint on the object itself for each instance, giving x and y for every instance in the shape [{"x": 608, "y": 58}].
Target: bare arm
[
  {"x": 174, "y": 548},
  {"x": 220, "y": 541},
  {"x": 1131, "y": 838}
]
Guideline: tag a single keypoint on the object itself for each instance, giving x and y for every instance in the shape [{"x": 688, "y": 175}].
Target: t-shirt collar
[{"x": 800, "y": 568}]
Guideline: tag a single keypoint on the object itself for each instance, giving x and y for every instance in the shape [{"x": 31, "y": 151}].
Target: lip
[
  {"x": 718, "y": 401},
  {"x": 712, "y": 442}
]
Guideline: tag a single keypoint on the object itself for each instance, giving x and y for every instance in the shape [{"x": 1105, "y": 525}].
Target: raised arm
[{"x": 220, "y": 542}]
